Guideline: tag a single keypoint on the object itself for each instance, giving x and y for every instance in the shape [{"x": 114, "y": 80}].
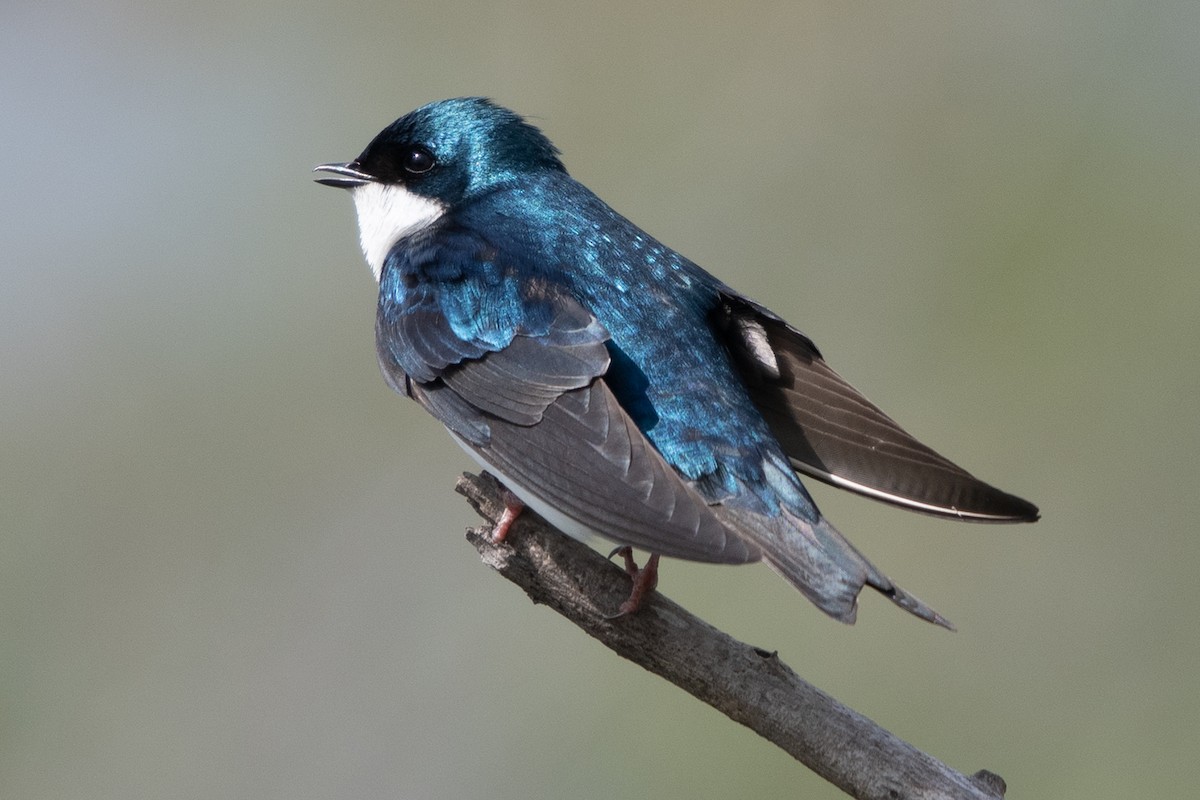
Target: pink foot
[
  {"x": 512, "y": 509},
  {"x": 645, "y": 579}
]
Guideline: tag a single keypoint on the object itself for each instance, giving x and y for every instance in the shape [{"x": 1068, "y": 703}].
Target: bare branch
[{"x": 746, "y": 684}]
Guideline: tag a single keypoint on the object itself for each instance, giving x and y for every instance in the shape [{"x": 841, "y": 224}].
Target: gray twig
[{"x": 747, "y": 684}]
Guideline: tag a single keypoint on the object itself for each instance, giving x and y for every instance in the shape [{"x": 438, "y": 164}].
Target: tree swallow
[{"x": 615, "y": 387}]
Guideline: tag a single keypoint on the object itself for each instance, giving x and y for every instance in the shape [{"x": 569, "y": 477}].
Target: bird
[{"x": 614, "y": 386}]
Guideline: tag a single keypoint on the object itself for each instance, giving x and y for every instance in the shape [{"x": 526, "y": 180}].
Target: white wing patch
[
  {"x": 386, "y": 214},
  {"x": 754, "y": 337}
]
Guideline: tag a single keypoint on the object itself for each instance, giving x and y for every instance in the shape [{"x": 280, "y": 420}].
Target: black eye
[{"x": 417, "y": 160}]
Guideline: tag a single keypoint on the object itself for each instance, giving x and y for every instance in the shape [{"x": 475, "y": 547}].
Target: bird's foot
[
  {"x": 645, "y": 579},
  {"x": 512, "y": 509}
]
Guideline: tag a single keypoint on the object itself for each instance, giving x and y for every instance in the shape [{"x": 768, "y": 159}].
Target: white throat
[{"x": 386, "y": 214}]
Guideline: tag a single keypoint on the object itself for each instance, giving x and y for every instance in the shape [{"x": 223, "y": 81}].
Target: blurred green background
[{"x": 232, "y": 563}]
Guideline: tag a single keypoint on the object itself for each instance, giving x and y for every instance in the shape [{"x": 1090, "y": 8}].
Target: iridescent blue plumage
[
  {"x": 611, "y": 382},
  {"x": 652, "y": 302}
]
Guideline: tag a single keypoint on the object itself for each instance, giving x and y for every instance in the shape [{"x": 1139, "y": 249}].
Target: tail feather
[{"x": 816, "y": 559}]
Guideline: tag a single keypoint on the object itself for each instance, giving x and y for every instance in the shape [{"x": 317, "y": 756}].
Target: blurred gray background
[{"x": 232, "y": 563}]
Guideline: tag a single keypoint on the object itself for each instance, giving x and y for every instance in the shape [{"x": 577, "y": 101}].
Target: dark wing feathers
[
  {"x": 539, "y": 414},
  {"x": 517, "y": 371},
  {"x": 587, "y": 459},
  {"x": 430, "y": 342},
  {"x": 520, "y": 381},
  {"x": 833, "y": 433}
]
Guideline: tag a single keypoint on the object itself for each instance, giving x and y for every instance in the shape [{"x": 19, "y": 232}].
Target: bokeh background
[{"x": 232, "y": 563}]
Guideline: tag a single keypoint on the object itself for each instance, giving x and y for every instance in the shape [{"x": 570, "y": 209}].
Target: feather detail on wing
[
  {"x": 539, "y": 414},
  {"x": 836, "y": 435}
]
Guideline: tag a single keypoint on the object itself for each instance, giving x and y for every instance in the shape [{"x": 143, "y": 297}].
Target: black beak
[{"x": 351, "y": 175}]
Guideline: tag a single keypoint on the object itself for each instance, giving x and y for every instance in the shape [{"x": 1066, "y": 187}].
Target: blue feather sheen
[
  {"x": 468, "y": 284},
  {"x": 545, "y": 231},
  {"x": 514, "y": 289}
]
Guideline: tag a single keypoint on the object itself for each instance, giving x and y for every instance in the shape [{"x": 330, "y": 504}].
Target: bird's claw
[
  {"x": 645, "y": 579},
  {"x": 512, "y": 509}
]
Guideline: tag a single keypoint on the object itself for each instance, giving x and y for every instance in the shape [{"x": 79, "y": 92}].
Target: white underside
[
  {"x": 386, "y": 214},
  {"x": 547, "y": 512}
]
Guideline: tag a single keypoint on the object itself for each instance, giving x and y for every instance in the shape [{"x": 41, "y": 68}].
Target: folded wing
[
  {"x": 538, "y": 412},
  {"x": 836, "y": 435}
]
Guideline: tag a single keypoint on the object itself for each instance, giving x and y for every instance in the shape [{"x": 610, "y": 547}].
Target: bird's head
[{"x": 432, "y": 160}]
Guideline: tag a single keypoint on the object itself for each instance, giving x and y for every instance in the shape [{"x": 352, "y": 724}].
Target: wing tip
[
  {"x": 983, "y": 502},
  {"x": 1000, "y": 506}
]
